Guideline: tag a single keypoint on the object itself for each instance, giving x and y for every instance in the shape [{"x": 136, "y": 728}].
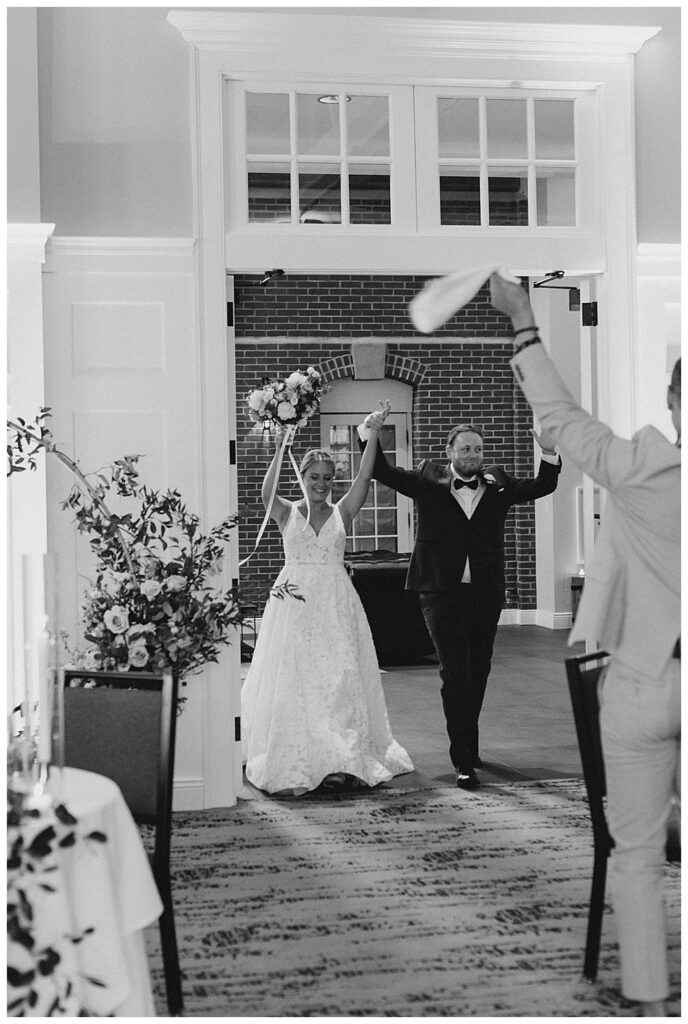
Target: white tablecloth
[{"x": 107, "y": 887}]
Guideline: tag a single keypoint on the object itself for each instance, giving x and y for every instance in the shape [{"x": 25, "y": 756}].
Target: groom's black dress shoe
[{"x": 466, "y": 778}]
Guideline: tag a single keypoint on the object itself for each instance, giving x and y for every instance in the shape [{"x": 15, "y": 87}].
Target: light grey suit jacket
[{"x": 632, "y": 593}]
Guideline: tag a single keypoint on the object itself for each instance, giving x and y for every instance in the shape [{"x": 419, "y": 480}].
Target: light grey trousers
[{"x": 641, "y": 737}]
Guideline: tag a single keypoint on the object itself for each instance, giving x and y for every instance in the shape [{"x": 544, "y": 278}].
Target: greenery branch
[{"x": 28, "y": 439}]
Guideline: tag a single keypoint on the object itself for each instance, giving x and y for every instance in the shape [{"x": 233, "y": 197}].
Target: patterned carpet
[{"x": 425, "y": 903}]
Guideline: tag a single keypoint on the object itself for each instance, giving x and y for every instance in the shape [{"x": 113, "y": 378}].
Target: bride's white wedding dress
[{"x": 312, "y": 702}]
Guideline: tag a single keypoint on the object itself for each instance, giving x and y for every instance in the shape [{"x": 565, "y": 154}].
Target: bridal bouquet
[{"x": 289, "y": 402}]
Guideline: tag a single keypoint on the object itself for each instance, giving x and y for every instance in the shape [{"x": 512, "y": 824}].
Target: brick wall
[{"x": 464, "y": 379}]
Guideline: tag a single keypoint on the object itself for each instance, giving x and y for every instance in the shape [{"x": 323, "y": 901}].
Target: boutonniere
[{"x": 494, "y": 478}]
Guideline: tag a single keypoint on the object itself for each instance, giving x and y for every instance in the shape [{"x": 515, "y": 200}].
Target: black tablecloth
[{"x": 394, "y": 614}]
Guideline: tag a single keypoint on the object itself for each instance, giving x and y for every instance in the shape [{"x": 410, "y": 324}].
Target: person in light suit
[{"x": 631, "y": 607}]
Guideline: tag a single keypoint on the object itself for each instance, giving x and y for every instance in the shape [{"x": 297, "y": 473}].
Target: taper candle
[{"x": 45, "y": 709}]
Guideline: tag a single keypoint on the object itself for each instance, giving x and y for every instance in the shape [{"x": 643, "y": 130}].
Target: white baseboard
[
  {"x": 535, "y": 617},
  {"x": 188, "y": 795}
]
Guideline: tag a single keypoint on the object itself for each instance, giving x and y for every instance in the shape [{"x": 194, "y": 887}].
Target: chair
[
  {"x": 583, "y": 674},
  {"x": 122, "y": 725}
]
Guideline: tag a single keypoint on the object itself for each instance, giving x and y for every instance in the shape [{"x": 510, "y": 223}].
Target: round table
[{"x": 103, "y": 892}]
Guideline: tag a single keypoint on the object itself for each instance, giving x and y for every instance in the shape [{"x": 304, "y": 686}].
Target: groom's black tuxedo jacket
[{"x": 445, "y": 535}]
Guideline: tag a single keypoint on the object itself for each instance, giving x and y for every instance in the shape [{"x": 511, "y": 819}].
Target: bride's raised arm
[{"x": 352, "y": 501}]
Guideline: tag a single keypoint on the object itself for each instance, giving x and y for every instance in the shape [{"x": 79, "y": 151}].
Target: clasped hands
[{"x": 374, "y": 420}]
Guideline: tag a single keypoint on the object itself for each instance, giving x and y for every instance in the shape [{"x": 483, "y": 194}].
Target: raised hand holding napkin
[{"x": 442, "y": 297}]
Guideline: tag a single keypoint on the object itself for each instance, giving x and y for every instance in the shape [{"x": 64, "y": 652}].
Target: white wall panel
[
  {"x": 118, "y": 336},
  {"x": 123, "y": 369}
]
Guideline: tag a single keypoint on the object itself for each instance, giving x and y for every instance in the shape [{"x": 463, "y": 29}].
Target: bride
[{"x": 313, "y": 709}]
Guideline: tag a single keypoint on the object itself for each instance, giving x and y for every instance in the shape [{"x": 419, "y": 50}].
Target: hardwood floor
[{"x": 526, "y": 725}]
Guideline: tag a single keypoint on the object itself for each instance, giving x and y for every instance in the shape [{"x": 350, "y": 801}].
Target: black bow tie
[{"x": 473, "y": 484}]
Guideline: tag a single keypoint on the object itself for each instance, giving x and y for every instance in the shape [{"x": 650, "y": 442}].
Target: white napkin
[{"x": 441, "y": 298}]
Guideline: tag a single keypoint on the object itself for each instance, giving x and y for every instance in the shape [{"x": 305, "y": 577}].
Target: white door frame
[{"x": 227, "y": 43}]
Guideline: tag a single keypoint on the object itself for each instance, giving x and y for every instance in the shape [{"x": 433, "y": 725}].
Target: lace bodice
[{"x": 302, "y": 544}]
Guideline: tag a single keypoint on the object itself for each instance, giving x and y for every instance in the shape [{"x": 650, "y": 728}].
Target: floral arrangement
[
  {"x": 153, "y": 603},
  {"x": 289, "y": 402}
]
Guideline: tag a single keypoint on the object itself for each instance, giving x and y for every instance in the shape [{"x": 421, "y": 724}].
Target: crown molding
[{"x": 241, "y": 33}]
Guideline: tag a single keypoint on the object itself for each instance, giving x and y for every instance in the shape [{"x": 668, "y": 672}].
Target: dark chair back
[
  {"x": 583, "y": 674},
  {"x": 122, "y": 725}
]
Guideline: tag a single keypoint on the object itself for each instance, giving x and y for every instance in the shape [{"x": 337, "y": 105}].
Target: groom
[{"x": 457, "y": 566}]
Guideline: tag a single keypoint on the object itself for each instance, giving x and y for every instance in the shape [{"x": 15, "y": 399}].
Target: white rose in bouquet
[
  {"x": 256, "y": 400},
  {"x": 285, "y": 411}
]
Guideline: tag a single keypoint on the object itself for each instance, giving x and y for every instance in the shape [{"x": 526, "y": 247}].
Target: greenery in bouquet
[
  {"x": 289, "y": 402},
  {"x": 154, "y": 602}
]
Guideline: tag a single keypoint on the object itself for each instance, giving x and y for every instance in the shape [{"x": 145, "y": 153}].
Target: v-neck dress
[{"x": 312, "y": 702}]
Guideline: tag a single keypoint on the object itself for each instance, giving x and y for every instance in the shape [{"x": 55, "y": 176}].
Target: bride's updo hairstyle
[{"x": 316, "y": 455}]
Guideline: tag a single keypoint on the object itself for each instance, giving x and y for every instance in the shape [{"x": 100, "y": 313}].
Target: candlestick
[
  {"x": 45, "y": 708},
  {"x": 32, "y": 587}
]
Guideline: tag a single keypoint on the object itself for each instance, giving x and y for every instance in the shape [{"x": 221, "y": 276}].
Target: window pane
[
  {"x": 387, "y": 438},
  {"x": 368, "y": 125},
  {"x": 556, "y": 198},
  {"x": 554, "y": 132},
  {"x": 365, "y": 523},
  {"x": 386, "y": 521},
  {"x": 508, "y": 196},
  {"x": 364, "y": 544},
  {"x": 338, "y": 491},
  {"x": 317, "y": 126},
  {"x": 460, "y": 195},
  {"x": 342, "y": 465},
  {"x": 369, "y": 195},
  {"x": 385, "y": 495},
  {"x": 506, "y": 129},
  {"x": 457, "y": 124},
  {"x": 269, "y": 197},
  {"x": 267, "y": 123},
  {"x": 320, "y": 194},
  {"x": 339, "y": 436}
]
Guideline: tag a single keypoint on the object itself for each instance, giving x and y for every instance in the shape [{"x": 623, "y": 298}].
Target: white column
[{"x": 26, "y": 492}]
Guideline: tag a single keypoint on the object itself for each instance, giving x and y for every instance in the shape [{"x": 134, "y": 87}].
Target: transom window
[
  {"x": 407, "y": 158},
  {"x": 313, "y": 156},
  {"x": 506, "y": 161}
]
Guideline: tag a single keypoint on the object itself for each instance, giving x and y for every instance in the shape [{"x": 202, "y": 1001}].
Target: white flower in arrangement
[
  {"x": 91, "y": 659},
  {"x": 175, "y": 582},
  {"x": 296, "y": 379},
  {"x": 285, "y": 411},
  {"x": 139, "y": 630},
  {"x": 138, "y": 655},
  {"x": 112, "y": 582},
  {"x": 150, "y": 589},
  {"x": 116, "y": 619}
]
